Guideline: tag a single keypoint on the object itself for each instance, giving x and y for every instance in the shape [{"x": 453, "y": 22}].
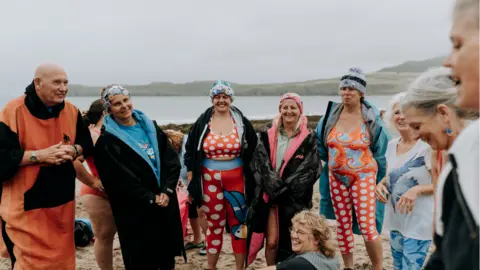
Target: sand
[{"x": 86, "y": 258}]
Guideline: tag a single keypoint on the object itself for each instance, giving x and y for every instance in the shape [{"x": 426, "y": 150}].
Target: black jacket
[
  {"x": 458, "y": 247},
  {"x": 292, "y": 192},
  {"x": 150, "y": 235},
  {"x": 194, "y": 154}
]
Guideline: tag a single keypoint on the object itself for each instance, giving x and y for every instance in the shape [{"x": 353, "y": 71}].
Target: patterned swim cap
[
  {"x": 110, "y": 92},
  {"x": 222, "y": 87}
]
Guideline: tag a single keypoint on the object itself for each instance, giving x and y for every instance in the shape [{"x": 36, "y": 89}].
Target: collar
[
  {"x": 282, "y": 131},
  {"x": 37, "y": 108}
]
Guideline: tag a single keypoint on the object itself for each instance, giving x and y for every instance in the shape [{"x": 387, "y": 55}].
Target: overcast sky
[{"x": 250, "y": 41}]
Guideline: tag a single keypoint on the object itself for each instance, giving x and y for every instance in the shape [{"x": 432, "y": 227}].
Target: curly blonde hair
[
  {"x": 319, "y": 228},
  {"x": 175, "y": 137}
]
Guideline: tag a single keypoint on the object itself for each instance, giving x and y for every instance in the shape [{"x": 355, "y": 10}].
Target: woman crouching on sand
[
  {"x": 285, "y": 166},
  {"x": 352, "y": 141},
  {"x": 218, "y": 152},
  {"x": 139, "y": 170},
  {"x": 312, "y": 243},
  {"x": 407, "y": 191}
]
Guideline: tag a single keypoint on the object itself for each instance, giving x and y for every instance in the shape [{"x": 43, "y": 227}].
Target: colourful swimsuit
[
  {"x": 352, "y": 174},
  {"x": 223, "y": 191},
  {"x": 84, "y": 189}
]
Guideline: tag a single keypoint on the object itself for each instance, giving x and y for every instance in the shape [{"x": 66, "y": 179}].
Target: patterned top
[
  {"x": 222, "y": 146},
  {"x": 404, "y": 172},
  {"x": 349, "y": 155}
]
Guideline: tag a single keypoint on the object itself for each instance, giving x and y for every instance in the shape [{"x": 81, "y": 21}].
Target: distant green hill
[
  {"x": 386, "y": 81},
  {"x": 416, "y": 66}
]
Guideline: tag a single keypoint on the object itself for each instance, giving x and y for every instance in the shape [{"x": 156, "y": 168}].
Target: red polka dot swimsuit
[
  {"x": 223, "y": 198},
  {"x": 222, "y": 146}
]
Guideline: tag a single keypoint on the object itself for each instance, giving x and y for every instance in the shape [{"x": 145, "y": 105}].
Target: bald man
[{"x": 41, "y": 135}]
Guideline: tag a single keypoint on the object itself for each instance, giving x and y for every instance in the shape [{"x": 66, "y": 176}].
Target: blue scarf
[{"x": 113, "y": 128}]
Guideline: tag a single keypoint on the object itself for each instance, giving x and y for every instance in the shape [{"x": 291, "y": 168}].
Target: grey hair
[
  {"x": 462, "y": 6},
  {"x": 430, "y": 89},
  {"x": 389, "y": 112}
]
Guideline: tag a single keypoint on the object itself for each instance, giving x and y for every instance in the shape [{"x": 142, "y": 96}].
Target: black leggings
[{"x": 192, "y": 211}]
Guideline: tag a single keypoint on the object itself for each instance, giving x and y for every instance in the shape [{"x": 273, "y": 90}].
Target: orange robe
[{"x": 38, "y": 201}]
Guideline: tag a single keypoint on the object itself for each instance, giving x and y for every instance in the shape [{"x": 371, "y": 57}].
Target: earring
[{"x": 449, "y": 131}]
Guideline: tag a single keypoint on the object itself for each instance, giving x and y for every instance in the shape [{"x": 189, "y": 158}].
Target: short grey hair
[
  {"x": 389, "y": 112},
  {"x": 471, "y": 6},
  {"x": 430, "y": 89}
]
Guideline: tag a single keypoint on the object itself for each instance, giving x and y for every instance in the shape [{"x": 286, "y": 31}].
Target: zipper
[
  {"x": 324, "y": 124},
  {"x": 243, "y": 141},
  {"x": 461, "y": 200},
  {"x": 200, "y": 142},
  {"x": 244, "y": 145}
]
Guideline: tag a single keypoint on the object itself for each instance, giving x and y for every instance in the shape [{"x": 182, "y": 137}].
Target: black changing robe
[
  {"x": 291, "y": 193},
  {"x": 150, "y": 235}
]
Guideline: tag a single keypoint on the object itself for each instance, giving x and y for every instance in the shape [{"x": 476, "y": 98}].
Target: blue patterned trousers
[{"x": 408, "y": 253}]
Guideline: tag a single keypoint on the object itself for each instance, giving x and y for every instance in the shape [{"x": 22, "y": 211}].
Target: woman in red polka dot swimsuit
[{"x": 219, "y": 148}]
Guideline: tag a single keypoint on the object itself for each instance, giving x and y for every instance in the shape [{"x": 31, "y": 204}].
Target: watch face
[{"x": 33, "y": 158}]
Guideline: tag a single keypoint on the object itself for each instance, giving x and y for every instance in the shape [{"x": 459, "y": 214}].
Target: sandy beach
[{"x": 86, "y": 258}]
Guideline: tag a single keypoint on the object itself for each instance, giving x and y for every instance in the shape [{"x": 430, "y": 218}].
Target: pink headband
[{"x": 295, "y": 97}]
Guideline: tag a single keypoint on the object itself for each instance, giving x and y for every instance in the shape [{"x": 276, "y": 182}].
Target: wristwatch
[
  {"x": 33, "y": 157},
  {"x": 76, "y": 151}
]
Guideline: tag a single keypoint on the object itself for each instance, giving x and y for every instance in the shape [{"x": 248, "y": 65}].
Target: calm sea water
[{"x": 186, "y": 109}]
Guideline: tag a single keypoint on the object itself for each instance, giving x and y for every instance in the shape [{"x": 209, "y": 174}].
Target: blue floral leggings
[{"x": 408, "y": 253}]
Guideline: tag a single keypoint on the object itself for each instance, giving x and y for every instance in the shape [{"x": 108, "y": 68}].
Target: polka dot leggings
[
  {"x": 361, "y": 194},
  {"x": 224, "y": 199}
]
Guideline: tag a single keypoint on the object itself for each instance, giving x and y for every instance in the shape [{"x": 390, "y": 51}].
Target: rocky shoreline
[{"x": 259, "y": 125}]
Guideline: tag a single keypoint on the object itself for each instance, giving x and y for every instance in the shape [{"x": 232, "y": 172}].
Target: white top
[
  {"x": 465, "y": 149},
  {"x": 404, "y": 172}
]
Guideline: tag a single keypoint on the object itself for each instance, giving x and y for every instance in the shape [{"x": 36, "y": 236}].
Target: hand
[
  {"x": 54, "y": 154},
  {"x": 200, "y": 212},
  {"x": 407, "y": 200},
  {"x": 189, "y": 199},
  {"x": 81, "y": 158},
  {"x": 70, "y": 150},
  {"x": 162, "y": 200},
  {"x": 97, "y": 185},
  {"x": 381, "y": 193},
  {"x": 189, "y": 176},
  {"x": 180, "y": 184}
]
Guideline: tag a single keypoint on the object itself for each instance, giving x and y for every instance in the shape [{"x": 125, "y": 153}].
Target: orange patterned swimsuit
[{"x": 352, "y": 174}]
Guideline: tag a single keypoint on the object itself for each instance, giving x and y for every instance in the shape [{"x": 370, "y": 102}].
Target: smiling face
[
  {"x": 399, "y": 120},
  {"x": 221, "y": 103},
  {"x": 289, "y": 111},
  {"x": 121, "y": 107},
  {"x": 350, "y": 96},
  {"x": 464, "y": 58},
  {"x": 431, "y": 127},
  {"x": 302, "y": 239},
  {"x": 52, "y": 87}
]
